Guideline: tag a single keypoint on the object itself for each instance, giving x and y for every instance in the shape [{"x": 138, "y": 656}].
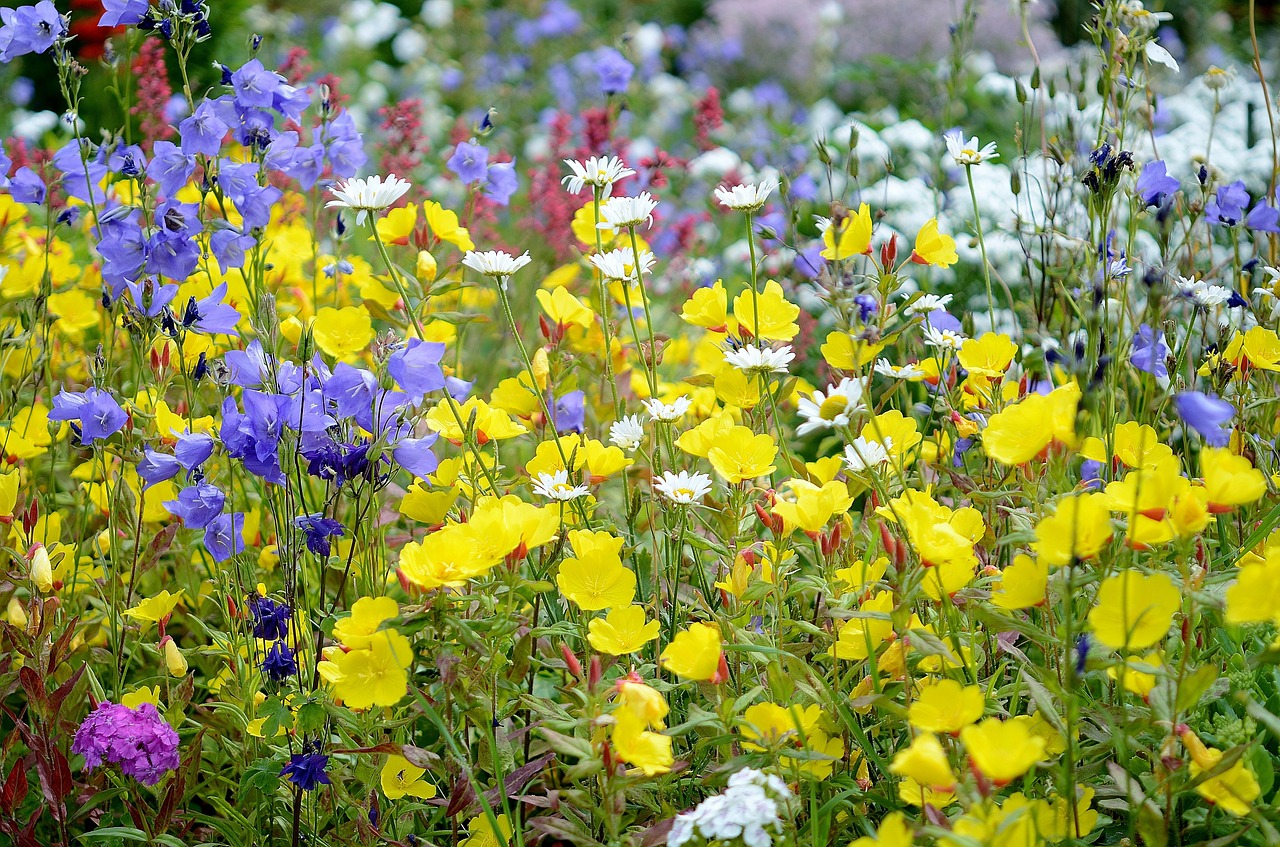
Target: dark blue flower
[
  {"x": 270, "y": 619},
  {"x": 1207, "y": 415},
  {"x": 307, "y": 770},
  {"x": 278, "y": 664},
  {"x": 317, "y": 529}
]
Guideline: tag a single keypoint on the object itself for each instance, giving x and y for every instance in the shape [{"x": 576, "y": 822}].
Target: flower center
[{"x": 833, "y": 407}]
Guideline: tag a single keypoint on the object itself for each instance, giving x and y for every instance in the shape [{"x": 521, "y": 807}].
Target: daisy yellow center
[
  {"x": 682, "y": 493},
  {"x": 833, "y": 407}
]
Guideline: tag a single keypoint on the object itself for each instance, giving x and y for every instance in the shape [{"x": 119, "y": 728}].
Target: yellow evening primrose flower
[
  {"x": 604, "y": 461},
  {"x": 1229, "y": 480},
  {"x": 777, "y": 317},
  {"x": 925, "y": 762},
  {"x": 445, "y": 558},
  {"x": 401, "y": 778},
  {"x": 585, "y": 230},
  {"x": 563, "y": 308},
  {"x": 946, "y": 706},
  {"x": 1255, "y": 595},
  {"x": 480, "y": 832},
  {"x": 343, "y": 333},
  {"x": 646, "y": 751},
  {"x": 1257, "y": 348},
  {"x": 694, "y": 653},
  {"x": 1019, "y": 433},
  {"x": 859, "y": 637},
  {"x": 1133, "y": 444},
  {"x": 491, "y": 424},
  {"x": 143, "y": 694},
  {"x": 1133, "y": 677},
  {"x": 9, "y": 491},
  {"x": 1080, "y": 527},
  {"x": 768, "y": 726},
  {"x": 154, "y": 609},
  {"x": 741, "y": 455},
  {"x": 76, "y": 311},
  {"x": 622, "y": 631},
  {"x": 444, "y": 225},
  {"x": 376, "y": 675},
  {"x": 367, "y": 614},
  {"x": 426, "y": 505},
  {"x": 896, "y": 433},
  {"x": 1023, "y": 583},
  {"x": 894, "y": 831},
  {"x": 845, "y": 352},
  {"x": 859, "y": 577},
  {"x": 699, "y": 440},
  {"x": 933, "y": 247},
  {"x": 511, "y": 527},
  {"x": 851, "y": 237},
  {"x": 988, "y": 355},
  {"x": 1133, "y": 610},
  {"x": 708, "y": 308},
  {"x": 594, "y": 578},
  {"x": 1002, "y": 751},
  {"x": 645, "y": 701},
  {"x": 813, "y": 505},
  {"x": 174, "y": 661},
  {"x": 1234, "y": 789}
]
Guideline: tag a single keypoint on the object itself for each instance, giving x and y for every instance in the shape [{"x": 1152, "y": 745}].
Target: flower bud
[
  {"x": 173, "y": 658},
  {"x": 16, "y": 613},
  {"x": 427, "y": 267},
  {"x": 42, "y": 569}
]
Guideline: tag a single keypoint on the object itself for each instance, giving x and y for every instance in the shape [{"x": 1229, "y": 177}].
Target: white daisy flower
[
  {"x": 969, "y": 152},
  {"x": 886, "y": 368},
  {"x": 944, "y": 339},
  {"x": 598, "y": 171},
  {"x": 684, "y": 488},
  {"x": 555, "y": 486},
  {"x": 620, "y": 265},
  {"x": 373, "y": 194},
  {"x": 926, "y": 303},
  {"x": 834, "y": 407},
  {"x": 496, "y": 263},
  {"x": 667, "y": 412},
  {"x": 627, "y": 433},
  {"x": 749, "y": 197},
  {"x": 760, "y": 360},
  {"x": 861, "y": 454},
  {"x": 618, "y": 213},
  {"x": 1204, "y": 294}
]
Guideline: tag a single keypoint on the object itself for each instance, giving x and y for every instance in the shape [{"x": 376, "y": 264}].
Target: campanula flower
[
  {"x": 1207, "y": 415},
  {"x": 469, "y": 161},
  {"x": 98, "y": 413}
]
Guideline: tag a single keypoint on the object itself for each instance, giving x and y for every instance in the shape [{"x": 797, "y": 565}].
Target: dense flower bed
[{"x": 726, "y": 471}]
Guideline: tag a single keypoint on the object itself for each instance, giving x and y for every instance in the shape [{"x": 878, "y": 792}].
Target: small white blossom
[
  {"x": 1216, "y": 78},
  {"x": 926, "y": 303},
  {"x": 751, "y": 809},
  {"x": 627, "y": 432},
  {"x": 618, "y": 213},
  {"x": 373, "y": 194},
  {"x": 832, "y": 408},
  {"x": 683, "y": 488},
  {"x": 944, "y": 339},
  {"x": 598, "y": 171},
  {"x": 620, "y": 265},
  {"x": 555, "y": 486},
  {"x": 749, "y": 197},
  {"x": 495, "y": 263},
  {"x": 861, "y": 454},
  {"x": 886, "y": 368},
  {"x": 667, "y": 412},
  {"x": 969, "y": 152},
  {"x": 760, "y": 360},
  {"x": 1203, "y": 294}
]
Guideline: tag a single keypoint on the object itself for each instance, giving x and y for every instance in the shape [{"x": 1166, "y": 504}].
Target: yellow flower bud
[
  {"x": 541, "y": 367},
  {"x": 427, "y": 267},
  {"x": 42, "y": 569},
  {"x": 17, "y": 613},
  {"x": 173, "y": 658}
]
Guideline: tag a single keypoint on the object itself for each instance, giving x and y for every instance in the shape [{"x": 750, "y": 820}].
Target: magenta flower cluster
[{"x": 139, "y": 740}]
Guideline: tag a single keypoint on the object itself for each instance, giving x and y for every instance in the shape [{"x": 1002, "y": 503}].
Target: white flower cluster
[{"x": 750, "y": 809}]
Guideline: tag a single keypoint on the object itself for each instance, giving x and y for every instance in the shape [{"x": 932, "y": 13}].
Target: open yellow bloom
[
  {"x": 946, "y": 706},
  {"x": 858, "y": 638},
  {"x": 934, "y": 247},
  {"x": 491, "y": 424},
  {"x": 777, "y": 317},
  {"x": 1023, "y": 584},
  {"x": 594, "y": 578},
  {"x": 850, "y": 238},
  {"x": 708, "y": 308},
  {"x": 343, "y": 333},
  {"x": 1019, "y": 433},
  {"x": 1230, "y": 480},
  {"x": 367, "y": 614},
  {"x": 988, "y": 356},
  {"x": 154, "y": 609},
  {"x": 1134, "y": 610},
  {"x": 622, "y": 631},
  {"x": 563, "y": 308},
  {"x": 813, "y": 506},
  {"x": 741, "y": 455},
  {"x": 376, "y": 675},
  {"x": 1080, "y": 527},
  {"x": 1002, "y": 750},
  {"x": 694, "y": 653},
  {"x": 401, "y": 778},
  {"x": 1234, "y": 789},
  {"x": 925, "y": 762}
]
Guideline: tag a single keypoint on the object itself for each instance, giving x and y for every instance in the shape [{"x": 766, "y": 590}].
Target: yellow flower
[
  {"x": 649, "y": 752},
  {"x": 367, "y": 614},
  {"x": 76, "y": 312},
  {"x": 1255, "y": 595},
  {"x": 563, "y": 308},
  {"x": 844, "y": 352},
  {"x": 859, "y": 637},
  {"x": 134, "y": 699},
  {"x": 987, "y": 356},
  {"x": 694, "y": 653},
  {"x": 1020, "y": 432},
  {"x": 772, "y": 726},
  {"x": 1132, "y": 444},
  {"x": 925, "y": 762},
  {"x": 1234, "y": 789},
  {"x": 376, "y": 675},
  {"x": 400, "y": 777},
  {"x": 1002, "y": 750},
  {"x": 896, "y": 432},
  {"x": 41, "y": 569},
  {"x": 426, "y": 268},
  {"x": 699, "y": 440},
  {"x": 622, "y": 631},
  {"x": 1023, "y": 584},
  {"x": 8, "y": 491},
  {"x": 603, "y": 462},
  {"x": 448, "y": 557},
  {"x": 933, "y": 247},
  {"x": 1134, "y": 610},
  {"x": 1133, "y": 677},
  {"x": 174, "y": 661},
  {"x": 813, "y": 506},
  {"x": 343, "y": 333},
  {"x": 851, "y": 237},
  {"x": 946, "y": 706},
  {"x": 1258, "y": 348},
  {"x": 1079, "y": 527},
  {"x": 595, "y": 578},
  {"x": 894, "y": 831},
  {"x": 490, "y": 424},
  {"x": 707, "y": 308},
  {"x": 154, "y": 609},
  {"x": 1230, "y": 480},
  {"x": 444, "y": 226},
  {"x": 427, "y": 506},
  {"x": 480, "y": 832},
  {"x": 860, "y": 576},
  {"x": 777, "y": 318},
  {"x": 742, "y": 455},
  {"x": 645, "y": 701}
]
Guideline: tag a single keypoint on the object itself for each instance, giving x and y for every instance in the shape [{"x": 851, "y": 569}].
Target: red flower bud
[{"x": 575, "y": 667}]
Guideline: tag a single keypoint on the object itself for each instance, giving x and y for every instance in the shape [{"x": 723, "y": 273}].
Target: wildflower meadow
[{"x": 691, "y": 423}]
